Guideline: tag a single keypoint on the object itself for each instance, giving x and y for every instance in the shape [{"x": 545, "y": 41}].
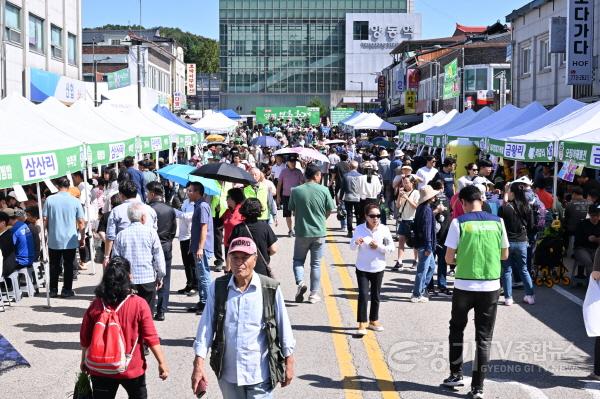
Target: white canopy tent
[
  {"x": 372, "y": 122},
  {"x": 477, "y": 130},
  {"x": 429, "y": 123},
  {"x": 353, "y": 119},
  {"x": 528, "y": 113},
  {"x": 459, "y": 121},
  {"x": 216, "y": 122}
]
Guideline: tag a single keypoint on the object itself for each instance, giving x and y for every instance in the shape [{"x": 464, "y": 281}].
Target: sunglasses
[
  {"x": 474, "y": 170},
  {"x": 374, "y": 216}
]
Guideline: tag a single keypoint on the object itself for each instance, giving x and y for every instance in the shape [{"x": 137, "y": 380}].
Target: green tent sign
[
  {"x": 339, "y": 114},
  {"x": 451, "y": 86},
  {"x": 581, "y": 153},
  {"x": 118, "y": 79},
  {"x": 266, "y": 114}
]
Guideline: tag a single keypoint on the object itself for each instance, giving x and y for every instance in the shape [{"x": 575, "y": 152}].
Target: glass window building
[{"x": 284, "y": 52}]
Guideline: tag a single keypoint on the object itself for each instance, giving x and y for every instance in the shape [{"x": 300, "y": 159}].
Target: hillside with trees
[{"x": 202, "y": 51}]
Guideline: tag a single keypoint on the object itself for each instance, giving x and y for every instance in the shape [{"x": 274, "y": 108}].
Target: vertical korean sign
[
  {"x": 580, "y": 42},
  {"x": 191, "y": 79},
  {"x": 451, "y": 88},
  {"x": 381, "y": 88}
]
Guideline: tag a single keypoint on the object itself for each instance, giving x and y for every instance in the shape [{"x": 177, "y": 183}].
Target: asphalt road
[{"x": 539, "y": 351}]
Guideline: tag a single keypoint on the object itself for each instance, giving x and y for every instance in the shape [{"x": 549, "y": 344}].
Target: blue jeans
[
  {"x": 425, "y": 269},
  {"x": 517, "y": 260},
  {"x": 257, "y": 391},
  {"x": 442, "y": 268},
  {"x": 203, "y": 275},
  {"x": 302, "y": 245}
]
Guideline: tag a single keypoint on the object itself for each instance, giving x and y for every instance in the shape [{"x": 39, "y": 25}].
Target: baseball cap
[
  {"x": 12, "y": 194},
  {"x": 242, "y": 244},
  {"x": 482, "y": 180},
  {"x": 593, "y": 210}
]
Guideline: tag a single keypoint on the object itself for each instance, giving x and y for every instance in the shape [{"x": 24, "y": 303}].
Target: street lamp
[
  {"x": 95, "y": 70},
  {"x": 362, "y": 98}
]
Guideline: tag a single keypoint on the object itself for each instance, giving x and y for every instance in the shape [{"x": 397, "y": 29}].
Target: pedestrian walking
[
  {"x": 369, "y": 188},
  {"x": 477, "y": 243},
  {"x": 289, "y": 178},
  {"x": 425, "y": 242},
  {"x": 427, "y": 172},
  {"x": 373, "y": 240},
  {"x": 312, "y": 205},
  {"x": 114, "y": 294},
  {"x": 65, "y": 224},
  {"x": 140, "y": 245},
  {"x": 185, "y": 226},
  {"x": 407, "y": 202},
  {"x": 245, "y": 307},
  {"x": 201, "y": 242},
  {"x": 135, "y": 176},
  {"x": 166, "y": 230},
  {"x": 350, "y": 193}
]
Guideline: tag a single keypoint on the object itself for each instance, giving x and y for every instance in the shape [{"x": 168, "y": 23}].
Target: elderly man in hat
[
  {"x": 246, "y": 325},
  {"x": 425, "y": 242}
]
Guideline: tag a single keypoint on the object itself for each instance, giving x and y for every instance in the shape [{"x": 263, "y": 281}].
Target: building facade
[
  {"x": 162, "y": 65},
  {"x": 43, "y": 36},
  {"x": 538, "y": 74},
  {"x": 284, "y": 53}
]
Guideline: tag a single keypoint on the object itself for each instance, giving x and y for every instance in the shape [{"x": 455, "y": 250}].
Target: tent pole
[
  {"x": 515, "y": 170},
  {"x": 43, "y": 246},
  {"x": 88, "y": 227},
  {"x": 555, "y": 178},
  {"x": 156, "y": 163}
]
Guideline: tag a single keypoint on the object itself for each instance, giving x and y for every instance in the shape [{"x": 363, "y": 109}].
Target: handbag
[
  {"x": 83, "y": 389},
  {"x": 590, "y": 308},
  {"x": 269, "y": 270}
]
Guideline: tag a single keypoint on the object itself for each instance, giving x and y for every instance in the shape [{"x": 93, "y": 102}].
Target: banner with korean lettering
[
  {"x": 35, "y": 167},
  {"x": 187, "y": 140},
  {"x": 587, "y": 154},
  {"x": 117, "y": 79},
  {"x": 265, "y": 114},
  {"x": 580, "y": 42},
  {"x": 191, "y": 79},
  {"x": 410, "y": 102},
  {"x": 451, "y": 87},
  {"x": 109, "y": 153},
  {"x": 540, "y": 151},
  {"x": 152, "y": 144}
]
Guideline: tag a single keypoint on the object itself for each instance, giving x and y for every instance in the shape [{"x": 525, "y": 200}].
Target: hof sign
[
  {"x": 580, "y": 39},
  {"x": 39, "y": 166}
]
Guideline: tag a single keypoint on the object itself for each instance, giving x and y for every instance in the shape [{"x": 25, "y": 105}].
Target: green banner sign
[
  {"x": 153, "y": 144},
  {"x": 118, "y": 79},
  {"x": 35, "y": 167},
  {"x": 186, "y": 140},
  {"x": 109, "y": 153},
  {"x": 580, "y": 153},
  {"x": 542, "y": 151},
  {"x": 339, "y": 114},
  {"x": 451, "y": 87},
  {"x": 282, "y": 114}
]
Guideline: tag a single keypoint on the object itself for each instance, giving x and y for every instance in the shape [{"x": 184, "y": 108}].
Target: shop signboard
[
  {"x": 398, "y": 82},
  {"x": 265, "y": 114},
  {"x": 177, "y": 101},
  {"x": 118, "y": 79},
  {"x": 580, "y": 42},
  {"x": 44, "y": 84},
  {"x": 542, "y": 151},
  {"x": 381, "y": 88},
  {"x": 451, "y": 87},
  {"x": 191, "y": 79},
  {"x": 339, "y": 114},
  {"x": 410, "y": 102},
  {"x": 413, "y": 76}
]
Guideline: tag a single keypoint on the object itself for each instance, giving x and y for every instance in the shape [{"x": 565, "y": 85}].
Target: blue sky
[{"x": 201, "y": 16}]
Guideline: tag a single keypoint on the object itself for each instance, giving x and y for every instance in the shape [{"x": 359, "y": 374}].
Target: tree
[
  {"x": 316, "y": 102},
  {"x": 199, "y": 50}
]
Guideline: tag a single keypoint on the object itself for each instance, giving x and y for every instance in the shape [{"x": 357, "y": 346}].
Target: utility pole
[
  {"x": 362, "y": 98},
  {"x": 139, "y": 60},
  {"x": 94, "y": 72},
  {"x": 502, "y": 77}
]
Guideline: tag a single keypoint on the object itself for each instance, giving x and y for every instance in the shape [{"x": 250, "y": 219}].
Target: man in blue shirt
[
  {"x": 64, "y": 221},
  {"x": 136, "y": 177},
  {"x": 22, "y": 238},
  {"x": 201, "y": 242}
]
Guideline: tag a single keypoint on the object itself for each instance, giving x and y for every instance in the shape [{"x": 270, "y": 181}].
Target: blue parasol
[{"x": 181, "y": 174}]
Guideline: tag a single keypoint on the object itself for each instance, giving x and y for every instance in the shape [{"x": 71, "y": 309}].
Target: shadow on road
[
  {"x": 324, "y": 329},
  {"x": 65, "y": 310},
  {"x": 55, "y": 345},
  {"x": 49, "y": 328},
  {"x": 362, "y": 383}
]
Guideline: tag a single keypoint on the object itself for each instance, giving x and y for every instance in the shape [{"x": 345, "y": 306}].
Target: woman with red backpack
[{"x": 113, "y": 332}]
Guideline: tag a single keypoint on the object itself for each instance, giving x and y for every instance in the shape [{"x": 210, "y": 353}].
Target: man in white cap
[{"x": 246, "y": 325}]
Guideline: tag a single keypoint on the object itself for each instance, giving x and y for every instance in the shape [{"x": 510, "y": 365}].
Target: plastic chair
[
  {"x": 13, "y": 294},
  {"x": 29, "y": 287}
]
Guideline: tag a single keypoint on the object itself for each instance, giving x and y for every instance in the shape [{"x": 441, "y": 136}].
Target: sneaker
[
  {"x": 314, "y": 297},
  {"x": 376, "y": 327},
  {"x": 419, "y": 299},
  {"x": 397, "y": 266},
  {"x": 529, "y": 299},
  {"x": 594, "y": 376},
  {"x": 455, "y": 380},
  {"x": 451, "y": 273},
  {"x": 67, "y": 293},
  {"x": 349, "y": 235},
  {"x": 184, "y": 290},
  {"x": 53, "y": 293},
  {"x": 475, "y": 393},
  {"x": 508, "y": 301},
  {"x": 218, "y": 268},
  {"x": 291, "y": 233},
  {"x": 362, "y": 329},
  {"x": 192, "y": 292},
  {"x": 445, "y": 292},
  {"x": 431, "y": 292},
  {"x": 300, "y": 293}
]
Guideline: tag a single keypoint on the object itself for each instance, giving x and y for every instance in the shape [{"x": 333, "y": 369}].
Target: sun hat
[
  {"x": 384, "y": 154},
  {"x": 398, "y": 153},
  {"x": 427, "y": 193},
  {"x": 523, "y": 180},
  {"x": 406, "y": 167},
  {"x": 242, "y": 244},
  {"x": 12, "y": 194},
  {"x": 9, "y": 211},
  {"x": 482, "y": 180}
]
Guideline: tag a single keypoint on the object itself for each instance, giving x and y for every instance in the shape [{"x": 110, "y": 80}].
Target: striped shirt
[{"x": 140, "y": 245}]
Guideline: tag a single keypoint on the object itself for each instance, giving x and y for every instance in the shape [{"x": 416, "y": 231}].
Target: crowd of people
[{"x": 480, "y": 229}]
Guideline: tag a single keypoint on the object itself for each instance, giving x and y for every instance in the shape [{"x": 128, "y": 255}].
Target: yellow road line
[
  {"x": 385, "y": 381},
  {"x": 340, "y": 343}
]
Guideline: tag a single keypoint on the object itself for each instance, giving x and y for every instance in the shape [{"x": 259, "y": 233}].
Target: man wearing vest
[
  {"x": 261, "y": 192},
  {"x": 476, "y": 243},
  {"x": 246, "y": 326}
]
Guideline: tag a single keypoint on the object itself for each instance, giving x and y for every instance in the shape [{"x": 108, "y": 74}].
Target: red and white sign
[
  {"x": 485, "y": 97},
  {"x": 177, "y": 100},
  {"x": 191, "y": 79}
]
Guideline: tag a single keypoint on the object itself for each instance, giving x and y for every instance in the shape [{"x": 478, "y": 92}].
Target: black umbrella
[{"x": 224, "y": 172}]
